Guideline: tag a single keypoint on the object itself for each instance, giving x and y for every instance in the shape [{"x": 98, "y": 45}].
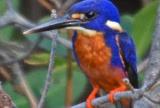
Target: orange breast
[{"x": 95, "y": 59}]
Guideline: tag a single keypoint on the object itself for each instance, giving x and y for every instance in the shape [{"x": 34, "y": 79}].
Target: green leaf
[
  {"x": 38, "y": 59},
  {"x": 6, "y": 33},
  {"x": 143, "y": 27},
  {"x": 56, "y": 94},
  {"x": 2, "y": 6},
  {"x": 127, "y": 22}
]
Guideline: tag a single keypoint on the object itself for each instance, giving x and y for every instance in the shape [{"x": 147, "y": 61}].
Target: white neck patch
[
  {"x": 88, "y": 32},
  {"x": 114, "y": 25}
]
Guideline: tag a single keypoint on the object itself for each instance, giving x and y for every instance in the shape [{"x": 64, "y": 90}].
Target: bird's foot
[
  {"x": 112, "y": 93},
  {"x": 89, "y": 105},
  {"x": 91, "y": 97}
]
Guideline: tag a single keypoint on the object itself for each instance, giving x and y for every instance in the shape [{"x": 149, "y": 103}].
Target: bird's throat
[{"x": 84, "y": 31}]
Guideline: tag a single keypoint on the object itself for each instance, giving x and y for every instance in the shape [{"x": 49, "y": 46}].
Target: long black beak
[{"x": 58, "y": 23}]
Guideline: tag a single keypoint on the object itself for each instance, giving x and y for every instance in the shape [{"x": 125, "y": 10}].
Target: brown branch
[
  {"x": 4, "y": 73},
  {"x": 69, "y": 77},
  {"x": 23, "y": 85},
  {"x": 46, "y": 4},
  {"x": 18, "y": 76}
]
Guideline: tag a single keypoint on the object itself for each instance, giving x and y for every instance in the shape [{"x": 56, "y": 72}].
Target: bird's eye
[{"x": 90, "y": 15}]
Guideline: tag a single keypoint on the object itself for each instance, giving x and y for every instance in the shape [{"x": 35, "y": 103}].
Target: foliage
[
  {"x": 143, "y": 26},
  {"x": 140, "y": 28}
]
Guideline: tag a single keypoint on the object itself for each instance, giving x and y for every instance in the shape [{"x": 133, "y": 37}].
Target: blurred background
[{"x": 24, "y": 59}]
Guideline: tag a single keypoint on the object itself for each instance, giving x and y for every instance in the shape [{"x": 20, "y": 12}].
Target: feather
[{"x": 128, "y": 52}]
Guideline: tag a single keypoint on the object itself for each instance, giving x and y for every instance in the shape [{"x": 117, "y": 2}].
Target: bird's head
[{"x": 86, "y": 16}]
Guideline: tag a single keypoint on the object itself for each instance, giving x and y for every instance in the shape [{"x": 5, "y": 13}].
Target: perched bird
[{"x": 103, "y": 50}]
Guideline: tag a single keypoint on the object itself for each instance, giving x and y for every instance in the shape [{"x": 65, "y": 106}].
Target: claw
[
  {"x": 113, "y": 92},
  {"x": 111, "y": 97},
  {"x": 88, "y": 104}
]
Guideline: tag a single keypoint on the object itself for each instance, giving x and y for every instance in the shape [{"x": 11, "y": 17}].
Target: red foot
[
  {"x": 111, "y": 97},
  {"x": 113, "y": 92},
  {"x": 91, "y": 97}
]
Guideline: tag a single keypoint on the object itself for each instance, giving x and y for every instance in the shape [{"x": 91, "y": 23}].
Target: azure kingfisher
[{"x": 102, "y": 49}]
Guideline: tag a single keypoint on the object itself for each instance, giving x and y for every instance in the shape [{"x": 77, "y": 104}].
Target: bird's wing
[{"x": 128, "y": 53}]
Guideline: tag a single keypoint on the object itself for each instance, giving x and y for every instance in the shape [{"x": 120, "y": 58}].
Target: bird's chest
[{"x": 92, "y": 53}]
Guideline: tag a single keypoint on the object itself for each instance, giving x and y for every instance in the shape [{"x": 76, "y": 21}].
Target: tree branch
[
  {"x": 18, "y": 76},
  {"x": 9, "y": 4},
  {"x": 143, "y": 65},
  {"x": 152, "y": 73},
  {"x": 25, "y": 55},
  {"x": 104, "y": 99},
  {"x": 50, "y": 69},
  {"x": 65, "y": 6},
  {"x": 15, "y": 19}
]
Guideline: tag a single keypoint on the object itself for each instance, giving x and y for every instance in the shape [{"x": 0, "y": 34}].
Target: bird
[{"x": 105, "y": 52}]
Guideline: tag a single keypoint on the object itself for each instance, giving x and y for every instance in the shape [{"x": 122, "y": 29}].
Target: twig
[
  {"x": 57, "y": 3},
  {"x": 27, "y": 53},
  {"x": 46, "y": 4},
  {"x": 69, "y": 79},
  {"x": 118, "y": 96},
  {"x": 50, "y": 69},
  {"x": 5, "y": 74},
  {"x": 19, "y": 77},
  {"x": 143, "y": 65},
  {"x": 9, "y": 4},
  {"x": 66, "y": 6},
  {"x": 22, "y": 84},
  {"x": 152, "y": 100},
  {"x": 15, "y": 19}
]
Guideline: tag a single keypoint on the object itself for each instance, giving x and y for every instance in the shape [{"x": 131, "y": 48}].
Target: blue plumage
[
  {"x": 104, "y": 9},
  {"x": 110, "y": 39},
  {"x": 128, "y": 52},
  {"x": 102, "y": 49}
]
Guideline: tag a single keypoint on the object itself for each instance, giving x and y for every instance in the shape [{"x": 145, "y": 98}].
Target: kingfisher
[{"x": 103, "y": 50}]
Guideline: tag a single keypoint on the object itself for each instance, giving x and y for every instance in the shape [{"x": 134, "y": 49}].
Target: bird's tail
[{"x": 124, "y": 103}]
